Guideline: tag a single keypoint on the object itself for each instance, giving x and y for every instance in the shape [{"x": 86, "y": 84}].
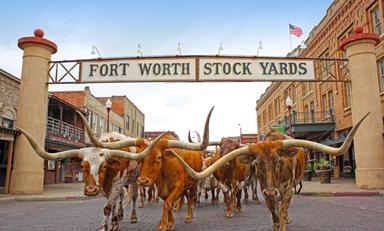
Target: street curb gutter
[{"x": 341, "y": 194}]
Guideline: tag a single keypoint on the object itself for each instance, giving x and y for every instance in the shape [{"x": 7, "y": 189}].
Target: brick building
[{"x": 321, "y": 111}]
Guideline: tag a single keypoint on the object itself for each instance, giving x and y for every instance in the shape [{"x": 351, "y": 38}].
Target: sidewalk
[
  {"x": 337, "y": 187},
  {"x": 53, "y": 192},
  {"x": 74, "y": 191}
]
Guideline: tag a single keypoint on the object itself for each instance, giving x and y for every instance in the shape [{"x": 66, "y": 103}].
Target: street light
[
  {"x": 289, "y": 104},
  {"x": 108, "y": 104},
  {"x": 241, "y": 132}
]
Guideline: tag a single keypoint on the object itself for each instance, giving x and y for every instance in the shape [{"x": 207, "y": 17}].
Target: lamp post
[
  {"x": 108, "y": 105},
  {"x": 240, "y": 133},
  {"x": 289, "y": 103}
]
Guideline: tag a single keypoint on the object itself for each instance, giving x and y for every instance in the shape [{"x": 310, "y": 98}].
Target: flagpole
[{"x": 290, "y": 38}]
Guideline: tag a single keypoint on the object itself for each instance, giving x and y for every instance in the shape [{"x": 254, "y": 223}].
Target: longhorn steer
[{"x": 275, "y": 169}]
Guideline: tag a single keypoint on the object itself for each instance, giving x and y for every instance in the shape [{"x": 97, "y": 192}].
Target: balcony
[
  {"x": 304, "y": 123},
  {"x": 63, "y": 132}
]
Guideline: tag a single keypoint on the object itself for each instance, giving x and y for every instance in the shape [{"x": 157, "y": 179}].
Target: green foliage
[
  {"x": 322, "y": 164},
  {"x": 308, "y": 166},
  {"x": 66, "y": 160}
]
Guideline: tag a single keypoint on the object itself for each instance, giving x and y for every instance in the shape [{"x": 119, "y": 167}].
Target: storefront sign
[{"x": 192, "y": 69}]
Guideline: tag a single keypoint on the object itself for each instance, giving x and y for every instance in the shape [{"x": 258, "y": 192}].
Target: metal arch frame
[{"x": 336, "y": 69}]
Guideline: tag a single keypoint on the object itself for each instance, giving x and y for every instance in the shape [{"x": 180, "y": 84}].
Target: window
[
  {"x": 7, "y": 123},
  {"x": 307, "y": 88},
  {"x": 381, "y": 74},
  {"x": 101, "y": 125},
  {"x": 51, "y": 165},
  {"x": 324, "y": 103},
  {"x": 325, "y": 67},
  {"x": 376, "y": 20},
  {"x": 127, "y": 121},
  {"x": 265, "y": 122},
  {"x": 270, "y": 113},
  {"x": 347, "y": 94},
  {"x": 306, "y": 114},
  {"x": 277, "y": 107},
  {"x": 331, "y": 102}
]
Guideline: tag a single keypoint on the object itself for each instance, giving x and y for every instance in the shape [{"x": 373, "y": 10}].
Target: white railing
[{"x": 64, "y": 129}]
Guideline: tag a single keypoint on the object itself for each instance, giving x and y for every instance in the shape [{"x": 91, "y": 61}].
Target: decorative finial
[{"x": 39, "y": 33}]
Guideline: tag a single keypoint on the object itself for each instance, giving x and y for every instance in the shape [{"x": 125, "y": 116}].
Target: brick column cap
[
  {"x": 39, "y": 33},
  {"x": 357, "y": 35}
]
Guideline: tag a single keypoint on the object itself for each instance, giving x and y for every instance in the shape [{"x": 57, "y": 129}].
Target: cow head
[
  {"x": 151, "y": 164},
  {"x": 268, "y": 155}
]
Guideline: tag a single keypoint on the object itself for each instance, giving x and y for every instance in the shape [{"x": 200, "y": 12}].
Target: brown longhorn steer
[
  {"x": 275, "y": 169},
  {"x": 231, "y": 176},
  {"x": 299, "y": 161}
]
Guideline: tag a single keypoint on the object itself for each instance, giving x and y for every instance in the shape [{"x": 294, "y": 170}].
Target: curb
[
  {"x": 342, "y": 194},
  {"x": 58, "y": 198}
]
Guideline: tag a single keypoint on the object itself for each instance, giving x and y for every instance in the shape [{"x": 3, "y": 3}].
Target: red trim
[
  {"x": 359, "y": 36},
  {"x": 43, "y": 41}
]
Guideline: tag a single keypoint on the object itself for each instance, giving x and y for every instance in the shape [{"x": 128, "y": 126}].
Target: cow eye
[{"x": 159, "y": 158}]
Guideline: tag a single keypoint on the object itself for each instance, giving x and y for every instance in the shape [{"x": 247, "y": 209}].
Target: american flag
[{"x": 295, "y": 30}]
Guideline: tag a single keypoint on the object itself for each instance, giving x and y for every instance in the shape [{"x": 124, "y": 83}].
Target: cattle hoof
[
  {"x": 114, "y": 226},
  {"x": 188, "y": 219},
  {"x": 171, "y": 226},
  {"x": 120, "y": 216},
  {"x": 239, "y": 210},
  {"x": 104, "y": 228},
  {"x": 229, "y": 214},
  {"x": 134, "y": 219},
  {"x": 141, "y": 204},
  {"x": 288, "y": 221},
  {"x": 257, "y": 202}
]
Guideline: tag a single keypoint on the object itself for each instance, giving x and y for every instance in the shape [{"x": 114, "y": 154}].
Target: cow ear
[
  {"x": 114, "y": 163},
  {"x": 289, "y": 152}
]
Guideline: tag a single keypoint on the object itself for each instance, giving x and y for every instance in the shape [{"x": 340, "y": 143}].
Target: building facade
[{"x": 321, "y": 111}]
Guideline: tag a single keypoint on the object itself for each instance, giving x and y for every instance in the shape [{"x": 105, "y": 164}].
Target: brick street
[{"x": 307, "y": 213}]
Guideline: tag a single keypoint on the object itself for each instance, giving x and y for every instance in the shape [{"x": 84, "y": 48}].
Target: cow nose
[
  {"x": 91, "y": 190},
  {"x": 142, "y": 181},
  {"x": 271, "y": 193}
]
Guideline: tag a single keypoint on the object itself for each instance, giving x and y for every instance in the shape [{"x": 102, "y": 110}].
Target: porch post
[
  {"x": 28, "y": 174},
  {"x": 369, "y": 144}
]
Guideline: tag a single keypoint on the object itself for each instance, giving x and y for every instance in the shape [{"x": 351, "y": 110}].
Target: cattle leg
[
  {"x": 179, "y": 203},
  {"x": 190, "y": 198},
  {"x": 272, "y": 207},
  {"x": 134, "y": 199},
  {"x": 283, "y": 213},
  {"x": 142, "y": 197},
  {"x": 238, "y": 192},
  {"x": 115, "y": 219},
  {"x": 171, "y": 220},
  {"x": 254, "y": 191},
  {"x": 120, "y": 212},
  {"x": 228, "y": 204},
  {"x": 301, "y": 186},
  {"x": 167, "y": 206},
  {"x": 246, "y": 196},
  {"x": 107, "y": 212}
]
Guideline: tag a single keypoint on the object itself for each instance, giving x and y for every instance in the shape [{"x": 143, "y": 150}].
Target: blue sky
[{"x": 116, "y": 27}]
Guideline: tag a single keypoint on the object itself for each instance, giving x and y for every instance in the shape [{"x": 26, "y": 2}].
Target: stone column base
[
  {"x": 27, "y": 182},
  {"x": 370, "y": 178}
]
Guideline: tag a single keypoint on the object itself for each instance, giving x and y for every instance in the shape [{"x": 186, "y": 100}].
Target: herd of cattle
[{"x": 120, "y": 167}]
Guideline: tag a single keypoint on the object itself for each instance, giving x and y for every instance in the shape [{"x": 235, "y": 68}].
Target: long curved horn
[
  {"x": 111, "y": 145},
  {"x": 218, "y": 164},
  {"x": 324, "y": 148},
  {"x": 192, "y": 146},
  {"x": 198, "y": 136},
  {"x": 46, "y": 155},
  {"x": 132, "y": 155},
  {"x": 189, "y": 137},
  {"x": 214, "y": 143}
]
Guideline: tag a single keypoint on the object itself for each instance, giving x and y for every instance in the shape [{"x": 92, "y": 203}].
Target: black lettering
[
  {"x": 303, "y": 68},
  {"x": 283, "y": 69},
  {"x": 264, "y": 67},
  {"x": 156, "y": 69},
  {"x": 166, "y": 70},
  {"x": 185, "y": 69},
  {"x": 145, "y": 68},
  {"x": 207, "y": 69},
  {"x": 104, "y": 70},
  {"x": 93, "y": 68},
  {"x": 235, "y": 70},
  {"x": 175, "y": 69},
  {"x": 113, "y": 71},
  {"x": 292, "y": 68},
  {"x": 227, "y": 68},
  {"x": 125, "y": 65},
  {"x": 217, "y": 67},
  {"x": 246, "y": 69},
  {"x": 273, "y": 68}
]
